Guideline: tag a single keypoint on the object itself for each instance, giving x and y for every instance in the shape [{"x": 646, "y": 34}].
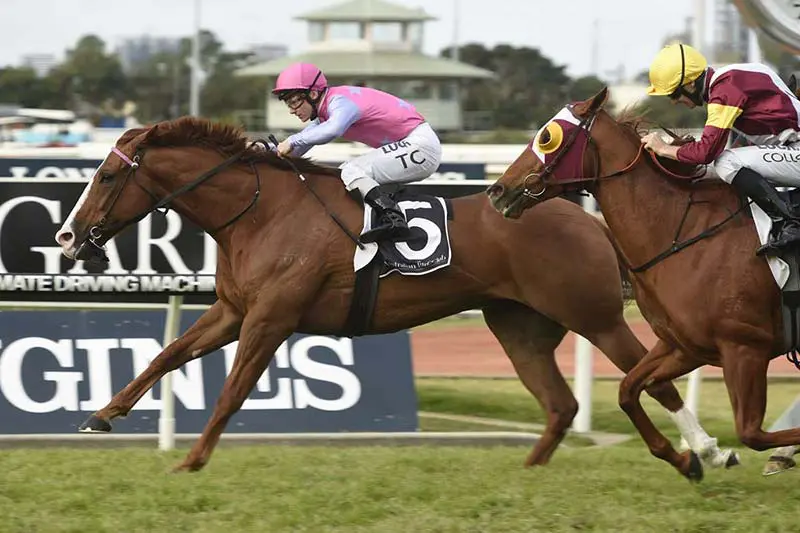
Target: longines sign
[
  {"x": 161, "y": 255},
  {"x": 57, "y": 367}
]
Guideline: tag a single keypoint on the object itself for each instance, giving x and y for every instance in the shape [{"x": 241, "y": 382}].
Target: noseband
[{"x": 545, "y": 176}]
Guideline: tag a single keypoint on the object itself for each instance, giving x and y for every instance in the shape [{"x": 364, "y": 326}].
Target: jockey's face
[
  {"x": 680, "y": 97},
  {"x": 299, "y": 105}
]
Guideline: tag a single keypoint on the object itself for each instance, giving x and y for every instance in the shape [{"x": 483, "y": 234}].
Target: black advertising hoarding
[
  {"x": 57, "y": 367},
  {"x": 162, "y": 255}
]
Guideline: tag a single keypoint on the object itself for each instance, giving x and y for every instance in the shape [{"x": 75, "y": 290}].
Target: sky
[{"x": 629, "y": 32}]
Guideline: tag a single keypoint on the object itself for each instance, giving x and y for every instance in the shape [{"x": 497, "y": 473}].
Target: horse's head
[
  {"x": 552, "y": 163},
  {"x": 117, "y": 195}
]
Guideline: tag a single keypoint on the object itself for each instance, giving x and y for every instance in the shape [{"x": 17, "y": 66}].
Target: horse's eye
[
  {"x": 544, "y": 138},
  {"x": 106, "y": 177},
  {"x": 551, "y": 138}
]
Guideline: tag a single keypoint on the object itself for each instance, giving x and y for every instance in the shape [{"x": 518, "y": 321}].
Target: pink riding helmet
[{"x": 300, "y": 76}]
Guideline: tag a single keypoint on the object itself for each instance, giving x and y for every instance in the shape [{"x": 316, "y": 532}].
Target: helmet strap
[
  {"x": 314, "y": 101},
  {"x": 699, "y": 88}
]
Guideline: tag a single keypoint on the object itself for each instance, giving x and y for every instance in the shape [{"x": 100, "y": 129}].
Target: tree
[
  {"x": 527, "y": 90},
  {"x": 18, "y": 86},
  {"x": 661, "y": 110},
  {"x": 224, "y": 92},
  {"x": 585, "y": 87},
  {"x": 96, "y": 77}
]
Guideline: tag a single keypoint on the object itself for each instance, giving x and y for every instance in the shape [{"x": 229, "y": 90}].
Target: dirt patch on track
[{"x": 473, "y": 351}]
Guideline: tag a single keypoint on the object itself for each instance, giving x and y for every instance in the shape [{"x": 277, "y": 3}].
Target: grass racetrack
[{"x": 409, "y": 489}]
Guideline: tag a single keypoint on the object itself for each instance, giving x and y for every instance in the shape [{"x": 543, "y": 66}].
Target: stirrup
[
  {"x": 386, "y": 233},
  {"x": 393, "y": 228},
  {"x": 774, "y": 246}
]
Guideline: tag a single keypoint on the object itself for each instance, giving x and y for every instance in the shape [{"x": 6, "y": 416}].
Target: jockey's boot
[
  {"x": 785, "y": 223},
  {"x": 392, "y": 225}
]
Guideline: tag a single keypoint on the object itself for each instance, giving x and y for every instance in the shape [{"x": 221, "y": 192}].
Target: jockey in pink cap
[{"x": 405, "y": 147}]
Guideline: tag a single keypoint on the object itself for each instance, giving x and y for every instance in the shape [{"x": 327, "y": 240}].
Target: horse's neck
[
  {"x": 225, "y": 199},
  {"x": 645, "y": 211}
]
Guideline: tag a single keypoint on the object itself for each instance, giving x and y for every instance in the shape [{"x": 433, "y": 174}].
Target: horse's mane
[
  {"x": 634, "y": 123},
  {"x": 226, "y": 139}
]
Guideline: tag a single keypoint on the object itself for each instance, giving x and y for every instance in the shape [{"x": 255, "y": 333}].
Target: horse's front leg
[
  {"x": 265, "y": 327},
  {"x": 215, "y": 328},
  {"x": 625, "y": 351},
  {"x": 661, "y": 364}
]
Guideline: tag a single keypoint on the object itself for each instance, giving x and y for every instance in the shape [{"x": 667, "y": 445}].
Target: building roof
[
  {"x": 367, "y": 10},
  {"x": 374, "y": 64}
]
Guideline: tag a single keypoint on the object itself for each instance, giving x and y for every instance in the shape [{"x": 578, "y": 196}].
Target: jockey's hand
[
  {"x": 654, "y": 142},
  {"x": 284, "y": 148}
]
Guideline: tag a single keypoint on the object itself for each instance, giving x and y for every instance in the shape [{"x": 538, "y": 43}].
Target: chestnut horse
[
  {"x": 690, "y": 245},
  {"x": 284, "y": 267}
]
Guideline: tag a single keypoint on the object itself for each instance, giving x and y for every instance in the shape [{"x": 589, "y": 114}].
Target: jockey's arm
[
  {"x": 723, "y": 110},
  {"x": 342, "y": 113}
]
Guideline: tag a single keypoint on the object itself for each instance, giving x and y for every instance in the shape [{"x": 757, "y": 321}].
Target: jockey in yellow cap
[{"x": 751, "y": 99}]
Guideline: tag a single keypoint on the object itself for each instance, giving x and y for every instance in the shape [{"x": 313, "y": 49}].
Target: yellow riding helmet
[{"x": 675, "y": 65}]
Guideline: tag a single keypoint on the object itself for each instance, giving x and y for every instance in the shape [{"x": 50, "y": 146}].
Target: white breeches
[
  {"x": 779, "y": 164},
  {"x": 411, "y": 159}
]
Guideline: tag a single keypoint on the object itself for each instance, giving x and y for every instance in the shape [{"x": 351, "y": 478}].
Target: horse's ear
[
  {"x": 792, "y": 83},
  {"x": 151, "y": 131},
  {"x": 600, "y": 99},
  {"x": 593, "y": 104}
]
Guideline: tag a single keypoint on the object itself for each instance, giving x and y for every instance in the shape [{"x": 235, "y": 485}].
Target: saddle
[{"x": 426, "y": 250}]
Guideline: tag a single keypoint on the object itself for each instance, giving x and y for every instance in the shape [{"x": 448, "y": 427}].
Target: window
[
  {"x": 414, "y": 35},
  {"x": 344, "y": 31},
  {"x": 448, "y": 90},
  {"x": 407, "y": 90},
  {"x": 387, "y": 32},
  {"x": 316, "y": 32}
]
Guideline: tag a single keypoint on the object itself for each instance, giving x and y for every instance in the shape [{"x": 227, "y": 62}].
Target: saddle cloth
[{"x": 426, "y": 251}]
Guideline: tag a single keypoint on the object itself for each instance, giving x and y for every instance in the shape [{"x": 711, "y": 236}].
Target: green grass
[
  {"x": 437, "y": 424},
  {"x": 507, "y": 399},
  {"x": 383, "y": 489},
  {"x": 408, "y": 489}
]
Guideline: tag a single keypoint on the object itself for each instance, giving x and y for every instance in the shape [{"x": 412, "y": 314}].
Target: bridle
[
  {"x": 545, "y": 176},
  {"x": 97, "y": 232},
  {"x": 546, "y": 173}
]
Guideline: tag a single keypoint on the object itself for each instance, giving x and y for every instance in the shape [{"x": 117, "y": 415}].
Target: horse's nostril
[
  {"x": 495, "y": 190},
  {"x": 66, "y": 238}
]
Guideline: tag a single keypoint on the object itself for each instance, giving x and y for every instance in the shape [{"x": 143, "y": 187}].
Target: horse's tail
[{"x": 624, "y": 273}]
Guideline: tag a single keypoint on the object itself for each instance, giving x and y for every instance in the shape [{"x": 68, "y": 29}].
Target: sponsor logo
[{"x": 78, "y": 375}]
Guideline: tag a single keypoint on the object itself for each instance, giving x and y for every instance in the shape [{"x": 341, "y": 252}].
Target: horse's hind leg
[
  {"x": 530, "y": 339},
  {"x": 781, "y": 460},
  {"x": 745, "y": 372},
  {"x": 622, "y": 347},
  {"x": 215, "y": 328}
]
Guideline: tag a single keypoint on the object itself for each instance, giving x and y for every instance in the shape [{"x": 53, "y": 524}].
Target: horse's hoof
[
  {"x": 733, "y": 460},
  {"x": 95, "y": 424},
  {"x": 717, "y": 458},
  {"x": 695, "y": 472},
  {"x": 777, "y": 464},
  {"x": 186, "y": 467}
]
